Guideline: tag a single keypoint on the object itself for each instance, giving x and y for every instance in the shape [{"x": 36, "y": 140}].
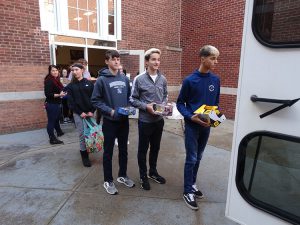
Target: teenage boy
[
  {"x": 200, "y": 87},
  {"x": 112, "y": 91},
  {"x": 148, "y": 88}
]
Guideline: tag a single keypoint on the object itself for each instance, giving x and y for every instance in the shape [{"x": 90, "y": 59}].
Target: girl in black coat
[{"x": 54, "y": 93}]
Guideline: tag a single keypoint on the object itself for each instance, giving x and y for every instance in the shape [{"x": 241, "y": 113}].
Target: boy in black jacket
[{"x": 111, "y": 92}]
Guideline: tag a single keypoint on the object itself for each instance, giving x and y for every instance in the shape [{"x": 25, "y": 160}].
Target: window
[
  {"x": 111, "y": 17},
  {"x": 82, "y": 15},
  {"x": 268, "y": 173},
  {"x": 276, "y": 23},
  {"x": 96, "y": 19}
]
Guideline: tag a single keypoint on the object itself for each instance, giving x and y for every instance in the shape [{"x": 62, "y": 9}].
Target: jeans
[
  {"x": 79, "y": 127},
  {"x": 111, "y": 131},
  {"x": 149, "y": 133},
  {"x": 196, "y": 138},
  {"x": 53, "y": 114}
]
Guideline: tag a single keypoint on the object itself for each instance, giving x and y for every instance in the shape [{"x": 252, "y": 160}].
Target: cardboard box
[
  {"x": 211, "y": 114},
  {"x": 163, "y": 109}
]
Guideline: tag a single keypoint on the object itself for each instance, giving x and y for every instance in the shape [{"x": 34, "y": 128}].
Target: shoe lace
[{"x": 191, "y": 197}]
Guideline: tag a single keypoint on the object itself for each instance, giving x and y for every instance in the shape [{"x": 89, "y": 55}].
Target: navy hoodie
[
  {"x": 110, "y": 93},
  {"x": 198, "y": 89}
]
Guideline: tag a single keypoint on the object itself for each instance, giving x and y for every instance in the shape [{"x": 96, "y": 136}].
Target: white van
[{"x": 264, "y": 179}]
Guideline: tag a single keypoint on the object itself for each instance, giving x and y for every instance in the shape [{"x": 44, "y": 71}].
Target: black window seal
[
  {"x": 268, "y": 43},
  {"x": 293, "y": 219}
]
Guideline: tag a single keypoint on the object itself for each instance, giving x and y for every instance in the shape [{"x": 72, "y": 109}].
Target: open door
[{"x": 264, "y": 179}]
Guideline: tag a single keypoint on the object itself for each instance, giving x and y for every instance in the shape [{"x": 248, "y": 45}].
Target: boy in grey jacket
[
  {"x": 112, "y": 91},
  {"x": 148, "y": 88}
]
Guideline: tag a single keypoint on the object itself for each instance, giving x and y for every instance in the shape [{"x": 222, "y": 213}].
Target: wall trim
[
  {"x": 24, "y": 95},
  {"x": 29, "y": 95}
]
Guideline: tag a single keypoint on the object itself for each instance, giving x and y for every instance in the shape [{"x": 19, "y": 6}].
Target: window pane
[
  {"x": 67, "y": 39},
  {"x": 92, "y": 5},
  {"x": 277, "y": 21},
  {"x": 93, "y": 23},
  {"x": 83, "y": 22},
  {"x": 82, "y": 4},
  {"x": 73, "y": 19},
  {"x": 72, "y": 3},
  {"x": 111, "y": 7},
  {"x": 101, "y": 43},
  {"x": 270, "y": 172},
  {"x": 111, "y": 25},
  {"x": 49, "y": 14}
]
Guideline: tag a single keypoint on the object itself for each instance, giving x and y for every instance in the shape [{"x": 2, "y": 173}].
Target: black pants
[
  {"x": 149, "y": 133},
  {"x": 111, "y": 131}
]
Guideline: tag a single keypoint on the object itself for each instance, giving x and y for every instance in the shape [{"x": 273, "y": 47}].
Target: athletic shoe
[
  {"x": 197, "y": 192},
  {"x": 126, "y": 181},
  {"x": 157, "y": 178},
  {"x": 190, "y": 201},
  {"x": 145, "y": 183},
  {"x": 110, "y": 188}
]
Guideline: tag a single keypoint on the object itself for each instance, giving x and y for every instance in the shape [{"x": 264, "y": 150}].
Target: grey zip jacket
[
  {"x": 145, "y": 91},
  {"x": 111, "y": 92}
]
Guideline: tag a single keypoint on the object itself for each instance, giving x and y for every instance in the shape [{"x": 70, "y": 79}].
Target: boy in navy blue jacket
[
  {"x": 111, "y": 92},
  {"x": 200, "y": 87}
]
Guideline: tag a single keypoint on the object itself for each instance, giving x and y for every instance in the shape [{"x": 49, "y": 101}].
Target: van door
[{"x": 264, "y": 179}]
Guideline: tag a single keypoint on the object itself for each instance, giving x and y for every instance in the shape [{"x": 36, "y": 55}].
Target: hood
[{"x": 104, "y": 72}]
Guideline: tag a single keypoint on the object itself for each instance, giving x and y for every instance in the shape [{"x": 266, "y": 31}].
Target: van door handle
[{"x": 284, "y": 104}]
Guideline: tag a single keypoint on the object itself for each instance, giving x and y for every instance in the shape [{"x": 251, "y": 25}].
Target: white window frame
[{"x": 62, "y": 26}]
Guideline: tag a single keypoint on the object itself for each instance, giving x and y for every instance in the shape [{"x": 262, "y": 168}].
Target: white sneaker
[
  {"x": 126, "y": 181},
  {"x": 197, "y": 192},
  {"x": 110, "y": 188}
]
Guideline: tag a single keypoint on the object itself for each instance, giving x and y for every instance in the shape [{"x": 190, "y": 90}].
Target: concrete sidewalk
[{"x": 44, "y": 184}]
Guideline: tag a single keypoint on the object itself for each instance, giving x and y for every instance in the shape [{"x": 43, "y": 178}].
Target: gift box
[
  {"x": 163, "y": 109},
  {"x": 127, "y": 111},
  {"x": 211, "y": 114}
]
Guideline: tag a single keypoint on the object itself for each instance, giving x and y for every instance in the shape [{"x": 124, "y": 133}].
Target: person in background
[
  {"x": 111, "y": 92},
  {"x": 200, "y": 87},
  {"x": 86, "y": 73},
  {"x": 79, "y": 94},
  {"x": 66, "y": 115},
  {"x": 53, "y": 90},
  {"x": 148, "y": 88}
]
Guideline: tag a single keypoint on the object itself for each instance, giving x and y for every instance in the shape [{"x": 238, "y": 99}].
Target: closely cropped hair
[
  {"x": 79, "y": 65},
  {"x": 149, "y": 52},
  {"x": 111, "y": 54},
  {"x": 208, "y": 50}
]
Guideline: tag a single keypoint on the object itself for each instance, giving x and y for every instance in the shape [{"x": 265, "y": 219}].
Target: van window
[
  {"x": 268, "y": 173},
  {"x": 276, "y": 23}
]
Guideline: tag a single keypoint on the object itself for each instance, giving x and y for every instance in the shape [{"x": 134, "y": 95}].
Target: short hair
[
  {"x": 111, "y": 54},
  {"x": 208, "y": 50},
  {"x": 82, "y": 61},
  {"x": 149, "y": 52}
]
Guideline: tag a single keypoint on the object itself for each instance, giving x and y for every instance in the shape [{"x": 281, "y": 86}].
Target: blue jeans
[
  {"x": 196, "y": 138},
  {"x": 53, "y": 114}
]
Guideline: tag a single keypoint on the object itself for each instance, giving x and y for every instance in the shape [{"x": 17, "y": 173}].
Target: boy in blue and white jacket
[
  {"x": 112, "y": 91},
  {"x": 200, "y": 87}
]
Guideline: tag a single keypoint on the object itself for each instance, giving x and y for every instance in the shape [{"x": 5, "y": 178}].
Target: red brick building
[{"x": 35, "y": 33}]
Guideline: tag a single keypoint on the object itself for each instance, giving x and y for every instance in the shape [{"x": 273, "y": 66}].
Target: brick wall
[
  {"x": 22, "y": 115},
  {"x": 154, "y": 24},
  {"x": 24, "y": 57},
  {"x": 219, "y": 24}
]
